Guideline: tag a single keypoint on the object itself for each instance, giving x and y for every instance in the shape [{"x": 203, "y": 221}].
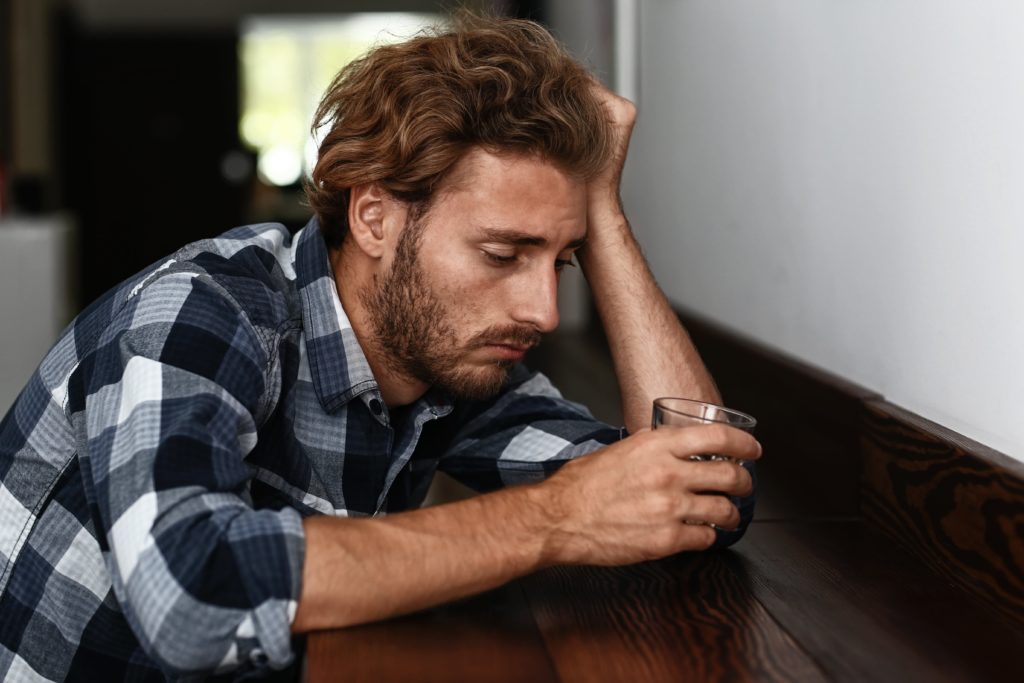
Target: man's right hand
[
  {"x": 625, "y": 503},
  {"x": 631, "y": 501}
]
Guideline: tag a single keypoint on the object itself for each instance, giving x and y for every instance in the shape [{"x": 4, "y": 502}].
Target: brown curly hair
[{"x": 403, "y": 115}]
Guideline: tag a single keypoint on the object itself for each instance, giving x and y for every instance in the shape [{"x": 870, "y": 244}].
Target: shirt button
[{"x": 375, "y": 407}]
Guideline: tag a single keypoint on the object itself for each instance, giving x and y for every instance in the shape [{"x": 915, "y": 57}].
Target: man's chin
[{"x": 480, "y": 385}]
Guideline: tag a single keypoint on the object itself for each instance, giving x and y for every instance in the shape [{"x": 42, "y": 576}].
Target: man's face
[{"x": 473, "y": 284}]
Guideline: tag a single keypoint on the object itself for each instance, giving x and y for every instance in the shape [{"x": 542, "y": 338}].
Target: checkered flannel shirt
[{"x": 155, "y": 471}]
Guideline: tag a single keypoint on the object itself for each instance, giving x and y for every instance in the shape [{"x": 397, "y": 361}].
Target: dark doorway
[{"x": 146, "y": 120}]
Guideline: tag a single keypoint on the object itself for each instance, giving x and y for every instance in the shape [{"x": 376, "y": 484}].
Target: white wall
[{"x": 845, "y": 181}]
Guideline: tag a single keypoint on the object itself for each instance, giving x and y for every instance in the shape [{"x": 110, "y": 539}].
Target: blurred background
[{"x": 838, "y": 181}]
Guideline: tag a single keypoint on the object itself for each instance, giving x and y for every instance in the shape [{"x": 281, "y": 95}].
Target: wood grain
[
  {"x": 490, "y": 638},
  {"x": 867, "y": 610},
  {"x": 686, "y": 618},
  {"x": 956, "y": 504}
]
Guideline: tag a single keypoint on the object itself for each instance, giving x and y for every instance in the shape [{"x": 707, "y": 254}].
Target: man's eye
[
  {"x": 562, "y": 263},
  {"x": 500, "y": 259}
]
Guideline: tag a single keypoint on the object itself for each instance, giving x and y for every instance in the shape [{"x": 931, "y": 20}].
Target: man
[{"x": 200, "y": 467}]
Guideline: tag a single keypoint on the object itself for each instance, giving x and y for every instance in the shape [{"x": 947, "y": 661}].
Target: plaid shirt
[{"x": 155, "y": 471}]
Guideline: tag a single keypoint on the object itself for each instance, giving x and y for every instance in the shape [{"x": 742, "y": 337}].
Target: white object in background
[
  {"x": 627, "y": 59},
  {"x": 35, "y": 295}
]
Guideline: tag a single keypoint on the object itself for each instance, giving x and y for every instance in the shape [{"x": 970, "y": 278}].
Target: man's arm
[
  {"x": 165, "y": 409},
  {"x": 652, "y": 353},
  {"x": 622, "y": 504}
]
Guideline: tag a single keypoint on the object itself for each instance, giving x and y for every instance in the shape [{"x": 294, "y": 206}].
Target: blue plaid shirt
[{"x": 155, "y": 471}]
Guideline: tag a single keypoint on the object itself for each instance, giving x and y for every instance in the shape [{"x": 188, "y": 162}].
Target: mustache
[{"x": 513, "y": 335}]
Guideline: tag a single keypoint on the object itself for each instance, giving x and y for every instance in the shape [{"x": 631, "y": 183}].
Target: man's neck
[{"x": 396, "y": 388}]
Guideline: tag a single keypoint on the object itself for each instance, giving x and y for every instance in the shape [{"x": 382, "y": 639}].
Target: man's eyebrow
[{"x": 525, "y": 239}]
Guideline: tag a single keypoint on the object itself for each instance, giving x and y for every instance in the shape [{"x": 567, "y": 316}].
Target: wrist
[
  {"x": 610, "y": 248},
  {"x": 605, "y": 203},
  {"x": 541, "y": 514},
  {"x": 605, "y": 217}
]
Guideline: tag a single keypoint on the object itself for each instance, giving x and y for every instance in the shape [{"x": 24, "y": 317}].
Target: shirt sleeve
[
  {"x": 167, "y": 414},
  {"x": 523, "y": 435}
]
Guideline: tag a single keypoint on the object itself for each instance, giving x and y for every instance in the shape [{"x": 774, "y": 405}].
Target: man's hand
[
  {"x": 625, "y": 503},
  {"x": 603, "y": 191},
  {"x": 630, "y": 501}
]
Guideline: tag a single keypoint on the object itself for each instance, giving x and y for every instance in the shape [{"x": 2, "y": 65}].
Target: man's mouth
[
  {"x": 512, "y": 345},
  {"x": 508, "y": 344},
  {"x": 509, "y": 351}
]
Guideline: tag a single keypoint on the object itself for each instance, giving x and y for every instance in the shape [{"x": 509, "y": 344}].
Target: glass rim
[{"x": 747, "y": 420}]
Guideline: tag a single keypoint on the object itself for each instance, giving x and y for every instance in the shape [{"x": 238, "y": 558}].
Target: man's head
[
  {"x": 455, "y": 296},
  {"x": 452, "y": 183},
  {"x": 404, "y": 115}
]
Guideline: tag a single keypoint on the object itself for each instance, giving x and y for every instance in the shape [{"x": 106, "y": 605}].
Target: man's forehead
[
  {"x": 479, "y": 162},
  {"x": 515, "y": 197}
]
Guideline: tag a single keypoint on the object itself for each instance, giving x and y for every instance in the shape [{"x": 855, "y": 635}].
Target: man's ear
[{"x": 369, "y": 207}]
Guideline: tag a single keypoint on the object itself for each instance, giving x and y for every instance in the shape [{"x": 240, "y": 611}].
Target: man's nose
[{"x": 537, "y": 300}]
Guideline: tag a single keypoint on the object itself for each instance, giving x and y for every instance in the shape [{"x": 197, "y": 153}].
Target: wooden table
[
  {"x": 812, "y": 593},
  {"x": 815, "y": 600}
]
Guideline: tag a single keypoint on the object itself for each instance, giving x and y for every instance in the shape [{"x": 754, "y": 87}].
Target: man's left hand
[{"x": 603, "y": 191}]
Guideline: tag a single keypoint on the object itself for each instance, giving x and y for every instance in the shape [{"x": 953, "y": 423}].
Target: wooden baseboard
[
  {"x": 842, "y": 449},
  {"x": 956, "y": 504},
  {"x": 809, "y": 421}
]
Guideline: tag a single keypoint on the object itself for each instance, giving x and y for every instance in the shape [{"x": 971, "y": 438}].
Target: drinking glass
[{"x": 683, "y": 412}]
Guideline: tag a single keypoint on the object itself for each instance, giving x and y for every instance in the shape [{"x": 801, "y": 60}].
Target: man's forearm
[
  {"x": 622, "y": 504},
  {"x": 653, "y": 354},
  {"x": 362, "y": 570}
]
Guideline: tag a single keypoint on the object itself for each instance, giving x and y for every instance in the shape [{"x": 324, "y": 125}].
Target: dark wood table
[
  {"x": 812, "y": 600},
  {"x": 812, "y": 593}
]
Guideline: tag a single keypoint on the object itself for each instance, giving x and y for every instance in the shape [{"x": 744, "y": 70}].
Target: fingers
[
  {"x": 683, "y": 442},
  {"x": 683, "y": 537},
  {"x": 682, "y": 505},
  {"x": 632, "y": 500},
  {"x": 673, "y": 475},
  {"x": 712, "y": 509},
  {"x": 621, "y": 110},
  {"x": 719, "y": 477}
]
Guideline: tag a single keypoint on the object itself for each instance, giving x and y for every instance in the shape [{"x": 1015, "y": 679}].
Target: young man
[{"x": 200, "y": 467}]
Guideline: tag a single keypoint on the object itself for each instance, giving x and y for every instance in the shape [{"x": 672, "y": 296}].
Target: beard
[{"x": 415, "y": 332}]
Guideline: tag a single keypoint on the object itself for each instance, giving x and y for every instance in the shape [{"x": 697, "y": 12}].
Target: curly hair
[{"x": 403, "y": 115}]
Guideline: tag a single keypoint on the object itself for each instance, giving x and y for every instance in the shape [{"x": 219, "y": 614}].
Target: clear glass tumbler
[{"x": 683, "y": 412}]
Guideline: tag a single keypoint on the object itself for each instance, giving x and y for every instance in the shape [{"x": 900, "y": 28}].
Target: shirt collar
[{"x": 337, "y": 363}]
